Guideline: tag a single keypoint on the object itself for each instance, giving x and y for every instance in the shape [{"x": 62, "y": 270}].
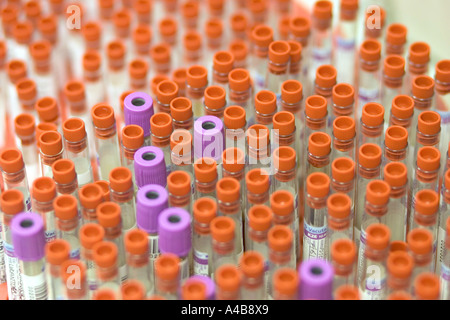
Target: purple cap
[
  {"x": 28, "y": 236},
  {"x": 149, "y": 167},
  {"x": 151, "y": 201},
  {"x": 316, "y": 280},
  {"x": 209, "y": 138},
  {"x": 138, "y": 109},
  {"x": 174, "y": 230},
  {"x": 210, "y": 287}
]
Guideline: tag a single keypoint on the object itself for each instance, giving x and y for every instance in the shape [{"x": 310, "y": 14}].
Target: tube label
[
  {"x": 13, "y": 276},
  {"x": 314, "y": 241},
  {"x": 200, "y": 263},
  {"x": 35, "y": 287}
]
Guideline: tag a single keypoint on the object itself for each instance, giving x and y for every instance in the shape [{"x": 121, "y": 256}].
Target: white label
[
  {"x": 50, "y": 235},
  {"x": 314, "y": 241},
  {"x": 368, "y": 94},
  {"x": 296, "y": 238},
  {"x": 362, "y": 248},
  {"x": 75, "y": 254},
  {"x": 13, "y": 276},
  {"x": 2, "y": 260},
  {"x": 35, "y": 287},
  {"x": 184, "y": 268},
  {"x": 200, "y": 263},
  {"x": 440, "y": 249},
  {"x": 445, "y": 282},
  {"x": 123, "y": 273},
  {"x": 153, "y": 247},
  {"x": 374, "y": 289}
]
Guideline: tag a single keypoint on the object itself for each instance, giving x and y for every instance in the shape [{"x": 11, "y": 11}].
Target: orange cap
[
  {"x": 296, "y": 48},
  {"x": 343, "y": 252},
  {"x": 214, "y": 28},
  {"x": 233, "y": 160},
  {"x": 300, "y": 26},
  {"x": 398, "y": 246},
  {"x": 183, "y": 139},
  {"x": 419, "y": 53},
  {"x": 423, "y": 87},
  {"x": 428, "y": 158},
  {"x": 234, "y": 117},
  {"x": 323, "y": 10},
  {"x": 369, "y": 156},
  {"x": 104, "y": 294},
  {"x": 43, "y": 189},
  {"x": 426, "y": 202},
  {"x": 280, "y": 238},
  {"x": 92, "y": 33},
  {"x": 74, "y": 130},
  {"x": 70, "y": 268},
  {"x": 138, "y": 70},
  {"x": 222, "y": 229},
  {"x": 343, "y": 95},
  {"x": 228, "y": 278},
  {"x": 377, "y": 192},
  {"x": 228, "y": 190},
  {"x": 343, "y": 169},
  {"x": 429, "y": 123},
  {"x": 400, "y": 264},
  {"x": 279, "y": 52},
  {"x": 193, "y": 289},
  {"x": 122, "y": 22},
  {"x": 262, "y": 36},
  {"x": 399, "y": 295},
  {"x": 402, "y": 107},
  {"x": 47, "y": 109},
  {"x": 26, "y": 90},
  {"x": 370, "y": 50},
  {"x": 344, "y": 128},
  {"x": 205, "y": 170},
  {"x": 40, "y": 52},
  {"x": 239, "y": 22},
  {"x": 252, "y": 264},
  {"x": 447, "y": 179},
  {"x": 326, "y": 76},
  {"x": 24, "y": 125},
  {"x": 23, "y": 32},
  {"x": 116, "y": 50},
  {"x": 11, "y": 202},
  {"x": 284, "y": 158},
  {"x": 167, "y": 266},
  {"x": 57, "y": 251},
  {"x": 257, "y": 181},
  {"x": 102, "y": 115},
  {"x": 142, "y": 37},
  {"x": 378, "y": 236},
  {"x": 11, "y": 160},
  {"x": 17, "y": 69},
  {"x": 136, "y": 242},
  {"x": 266, "y": 102},
  {"x": 179, "y": 183},
  {"x": 239, "y": 80},
  {"x": 205, "y": 210},
  {"x": 420, "y": 241},
  {"x": 372, "y": 114},
  {"x": 318, "y": 185},
  {"x": 427, "y": 287},
  {"x": 168, "y": 27},
  {"x": 91, "y": 195},
  {"x": 74, "y": 91},
  {"x": 239, "y": 49},
  {"x": 316, "y": 107},
  {"x": 443, "y": 71},
  {"x": 105, "y": 254},
  {"x": 285, "y": 281},
  {"x": 43, "y": 127},
  {"x": 347, "y": 292},
  {"x": 50, "y": 143},
  {"x": 161, "y": 55},
  {"x": 64, "y": 171},
  {"x": 223, "y": 62},
  {"x": 90, "y": 234},
  {"x": 66, "y": 207},
  {"x": 108, "y": 214},
  {"x": 394, "y": 66},
  {"x": 339, "y": 205},
  {"x": 132, "y": 137},
  {"x": 396, "y": 138},
  {"x": 181, "y": 109},
  {"x": 319, "y": 144},
  {"x": 9, "y": 16},
  {"x": 132, "y": 290},
  {"x": 260, "y": 218},
  {"x": 396, "y": 174},
  {"x": 197, "y": 77},
  {"x": 282, "y": 203},
  {"x": 215, "y": 97},
  {"x": 284, "y": 122},
  {"x": 104, "y": 186},
  {"x": 192, "y": 41},
  {"x": 179, "y": 77},
  {"x": 396, "y": 34},
  {"x": 291, "y": 91},
  {"x": 120, "y": 179},
  {"x": 143, "y": 9},
  {"x": 161, "y": 124}
]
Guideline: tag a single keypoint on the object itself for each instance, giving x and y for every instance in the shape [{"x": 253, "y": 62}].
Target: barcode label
[
  {"x": 2, "y": 261},
  {"x": 35, "y": 287},
  {"x": 14, "y": 278},
  {"x": 153, "y": 247}
]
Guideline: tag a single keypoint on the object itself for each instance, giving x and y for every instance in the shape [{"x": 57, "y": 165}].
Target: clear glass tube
[
  {"x": 54, "y": 283},
  {"x": 139, "y": 269},
  {"x": 445, "y": 270},
  {"x": 202, "y": 249},
  {"x": 33, "y": 277},
  {"x": 46, "y": 211},
  {"x": 68, "y": 230},
  {"x": 164, "y": 144},
  {"x": 78, "y": 152},
  {"x": 222, "y": 253},
  {"x": 127, "y": 203},
  {"x": 107, "y": 148},
  {"x": 369, "y": 84},
  {"x": 370, "y": 134},
  {"x": 444, "y": 214},
  {"x": 233, "y": 211},
  {"x": 278, "y": 260},
  {"x": 115, "y": 236},
  {"x": 344, "y": 54},
  {"x": 397, "y": 218},
  {"x": 18, "y": 180},
  {"x": 315, "y": 228},
  {"x": 253, "y": 288},
  {"x": 196, "y": 97},
  {"x": 372, "y": 285}
]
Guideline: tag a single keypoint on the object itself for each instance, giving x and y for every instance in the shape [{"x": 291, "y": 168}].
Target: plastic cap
[
  {"x": 181, "y": 109},
  {"x": 378, "y": 236},
  {"x": 156, "y": 80},
  {"x": 429, "y": 123},
  {"x": 193, "y": 290},
  {"x": 167, "y": 267},
  {"x": 291, "y": 91},
  {"x": 400, "y": 264},
  {"x": 11, "y": 160},
  {"x": 347, "y": 292},
  {"x": 179, "y": 76},
  {"x": 64, "y": 171},
  {"x": 222, "y": 229},
  {"x": 394, "y": 66},
  {"x": 192, "y": 41},
  {"x": 239, "y": 49},
  {"x": 300, "y": 27},
  {"x": 179, "y": 183},
  {"x": 323, "y": 10},
  {"x": 343, "y": 252},
  {"x": 151, "y": 200},
  {"x": 132, "y": 137},
  {"x": 223, "y": 62},
  {"x": 11, "y": 202},
  {"x": 66, "y": 207},
  {"x": 443, "y": 71},
  {"x": 427, "y": 286},
  {"x": 318, "y": 185},
  {"x": 74, "y": 130},
  {"x": 205, "y": 170},
  {"x": 423, "y": 87},
  {"x": 262, "y": 36},
  {"x": 90, "y": 234},
  {"x": 396, "y": 174},
  {"x": 398, "y": 246},
  {"x": 252, "y": 264},
  {"x": 17, "y": 70},
  {"x": 319, "y": 144},
  {"x": 69, "y": 269},
  {"x": 149, "y": 167},
  {"x": 136, "y": 242},
  {"x": 343, "y": 170},
  {"x": 257, "y": 181},
  {"x": 316, "y": 107},
  {"x": 120, "y": 179},
  {"x": 428, "y": 159},
  {"x": 419, "y": 53},
  {"x": 24, "y": 125},
  {"x": 402, "y": 107},
  {"x": 326, "y": 76},
  {"x": 234, "y": 117},
  {"x": 260, "y": 218},
  {"x": 426, "y": 202},
  {"x": 103, "y": 116},
  {"x": 108, "y": 214},
  {"x": 197, "y": 76},
  {"x": 132, "y": 290},
  {"x": 174, "y": 229},
  {"x": 74, "y": 91},
  {"x": 265, "y": 102},
  {"x": 50, "y": 143},
  {"x": 370, "y": 50},
  {"x": 26, "y": 90},
  {"x": 228, "y": 278},
  {"x": 105, "y": 254},
  {"x": 369, "y": 156},
  {"x": 57, "y": 251},
  {"x": 344, "y": 128},
  {"x": 399, "y": 295},
  {"x": 284, "y": 122},
  {"x": 104, "y": 186},
  {"x": 339, "y": 205},
  {"x": 284, "y": 158},
  {"x": 280, "y": 238},
  {"x": 372, "y": 114},
  {"x": 43, "y": 189},
  {"x": 378, "y": 192},
  {"x": 285, "y": 281},
  {"x": 104, "y": 294},
  {"x": 343, "y": 95},
  {"x": 233, "y": 159},
  {"x": 205, "y": 210},
  {"x": 396, "y": 138},
  {"x": 23, "y": 32},
  {"x": 166, "y": 91},
  {"x": 396, "y": 34},
  {"x": 282, "y": 203},
  {"x": 279, "y": 52},
  {"x": 215, "y": 97},
  {"x": 28, "y": 236},
  {"x": 239, "y": 80},
  {"x": 91, "y": 195}
]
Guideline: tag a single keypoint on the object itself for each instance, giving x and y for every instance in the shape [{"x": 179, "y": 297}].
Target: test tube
[
  {"x": 427, "y": 287},
  {"x": 318, "y": 153},
  {"x": 291, "y": 100},
  {"x": 28, "y": 239},
  {"x": 14, "y": 174},
  {"x": 132, "y": 141},
  {"x": 323, "y": 85},
  {"x": 105, "y": 256},
  {"x": 93, "y": 77},
  {"x": 90, "y": 196},
  {"x": 105, "y": 294},
  {"x": 239, "y": 49},
  {"x": 48, "y": 111},
  {"x": 228, "y": 282},
  {"x": 374, "y": 258},
  {"x": 343, "y": 257},
  {"x": 344, "y": 137},
  {"x": 223, "y": 243},
  {"x": 259, "y": 221},
  {"x": 393, "y": 74},
  {"x": 122, "y": 193},
  {"x": 343, "y": 99},
  {"x": 396, "y": 175},
  {"x": 396, "y": 145},
  {"x": 343, "y": 178},
  {"x": 278, "y": 65},
  {"x": 179, "y": 185},
  {"x": 182, "y": 156},
  {"x": 157, "y": 79},
  {"x": 132, "y": 290},
  {"x": 137, "y": 256},
  {"x": 162, "y": 128},
  {"x": 240, "y": 93},
  {"x": 223, "y": 63},
  {"x": 442, "y": 78},
  {"x": 193, "y": 48},
  {"x": 205, "y": 170},
  {"x": 399, "y": 296},
  {"x": 43, "y": 193},
  {"x": 347, "y": 292},
  {"x": 56, "y": 252},
  {"x": 233, "y": 166},
  {"x": 168, "y": 28},
  {"x": 181, "y": 112},
  {"x": 51, "y": 150},
  {"x": 67, "y": 223},
  {"x": 65, "y": 177},
  {"x": 11, "y": 204},
  {"x": 300, "y": 29},
  {"x": 74, "y": 268},
  {"x": 196, "y": 83},
  {"x": 253, "y": 286},
  {"x": 109, "y": 217},
  {"x": 262, "y": 37},
  {"x": 400, "y": 266},
  {"x": 258, "y": 147},
  {"x": 179, "y": 77},
  {"x": 402, "y": 111},
  {"x": 428, "y": 131},
  {"x": 265, "y": 108},
  {"x": 174, "y": 229},
  {"x": 371, "y": 124},
  {"x": 27, "y": 95},
  {"x": 210, "y": 286},
  {"x": 161, "y": 56},
  {"x": 285, "y": 284},
  {"x": 317, "y": 280},
  {"x": 340, "y": 218},
  {"x": 215, "y": 101},
  {"x": 138, "y": 73},
  {"x": 150, "y": 167},
  {"x": 418, "y": 61},
  {"x": 193, "y": 289},
  {"x": 167, "y": 276},
  {"x": 166, "y": 91},
  {"x": 257, "y": 183},
  {"x": 76, "y": 148},
  {"x": 138, "y": 109},
  {"x": 423, "y": 88},
  {"x": 235, "y": 125},
  {"x": 316, "y": 116},
  {"x": 444, "y": 264},
  {"x": 295, "y": 53},
  {"x": 239, "y": 25},
  {"x": 396, "y": 34}
]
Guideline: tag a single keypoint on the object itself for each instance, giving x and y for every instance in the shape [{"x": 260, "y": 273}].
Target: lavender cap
[
  {"x": 151, "y": 201},
  {"x": 174, "y": 230},
  {"x": 149, "y": 167},
  {"x": 209, "y": 138},
  {"x": 316, "y": 280},
  {"x": 210, "y": 287},
  {"x": 138, "y": 109},
  {"x": 28, "y": 236}
]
